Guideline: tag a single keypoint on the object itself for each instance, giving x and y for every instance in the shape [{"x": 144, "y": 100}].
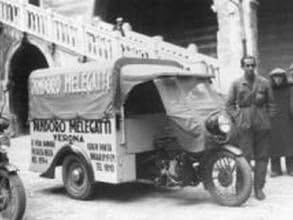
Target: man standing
[
  {"x": 282, "y": 123},
  {"x": 250, "y": 102}
]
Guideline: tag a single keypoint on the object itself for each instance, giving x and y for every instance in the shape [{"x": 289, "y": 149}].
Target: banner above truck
[{"x": 80, "y": 91}]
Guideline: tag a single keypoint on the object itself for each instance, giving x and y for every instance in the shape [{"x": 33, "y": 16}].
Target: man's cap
[{"x": 278, "y": 71}]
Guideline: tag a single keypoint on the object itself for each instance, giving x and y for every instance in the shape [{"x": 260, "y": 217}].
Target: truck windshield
[
  {"x": 199, "y": 93},
  {"x": 189, "y": 96}
]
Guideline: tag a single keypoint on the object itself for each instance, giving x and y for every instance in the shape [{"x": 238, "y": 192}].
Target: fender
[
  {"x": 62, "y": 153},
  {"x": 10, "y": 168},
  {"x": 232, "y": 149},
  {"x": 229, "y": 148}
]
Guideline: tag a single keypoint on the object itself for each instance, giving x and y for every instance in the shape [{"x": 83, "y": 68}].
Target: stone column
[
  {"x": 100, "y": 8},
  {"x": 250, "y": 24},
  {"x": 237, "y": 21}
]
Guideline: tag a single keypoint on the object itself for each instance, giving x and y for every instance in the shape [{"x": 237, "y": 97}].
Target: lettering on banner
[
  {"x": 80, "y": 82},
  {"x": 104, "y": 155},
  {"x": 82, "y": 126}
]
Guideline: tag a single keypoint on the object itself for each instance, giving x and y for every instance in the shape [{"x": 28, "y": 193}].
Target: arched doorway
[{"x": 26, "y": 59}]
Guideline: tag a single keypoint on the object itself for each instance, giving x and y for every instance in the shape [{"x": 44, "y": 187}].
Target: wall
[
  {"x": 5, "y": 42},
  {"x": 19, "y": 55},
  {"x": 275, "y": 43},
  {"x": 82, "y": 9}
]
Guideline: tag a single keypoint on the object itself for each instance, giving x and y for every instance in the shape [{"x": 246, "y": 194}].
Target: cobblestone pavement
[{"x": 47, "y": 199}]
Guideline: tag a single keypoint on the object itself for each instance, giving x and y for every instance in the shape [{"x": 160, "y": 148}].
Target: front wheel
[
  {"x": 12, "y": 196},
  {"x": 76, "y": 178},
  {"x": 228, "y": 178}
]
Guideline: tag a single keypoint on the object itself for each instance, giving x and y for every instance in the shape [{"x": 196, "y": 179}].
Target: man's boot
[
  {"x": 259, "y": 177},
  {"x": 276, "y": 166},
  {"x": 289, "y": 165},
  {"x": 259, "y": 194}
]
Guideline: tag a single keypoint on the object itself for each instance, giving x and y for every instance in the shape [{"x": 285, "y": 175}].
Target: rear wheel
[
  {"x": 76, "y": 178},
  {"x": 12, "y": 196},
  {"x": 228, "y": 178}
]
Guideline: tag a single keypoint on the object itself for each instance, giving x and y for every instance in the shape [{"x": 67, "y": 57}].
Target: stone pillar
[
  {"x": 100, "y": 8},
  {"x": 237, "y": 21},
  {"x": 250, "y": 24}
]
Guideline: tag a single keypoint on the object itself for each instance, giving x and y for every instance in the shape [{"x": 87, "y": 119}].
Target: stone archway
[{"x": 25, "y": 59}]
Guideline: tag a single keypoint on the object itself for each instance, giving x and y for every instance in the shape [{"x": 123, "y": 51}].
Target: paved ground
[{"x": 47, "y": 199}]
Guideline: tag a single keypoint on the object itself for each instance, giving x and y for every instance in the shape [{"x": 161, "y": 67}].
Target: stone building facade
[
  {"x": 224, "y": 29},
  {"x": 216, "y": 27},
  {"x": 213, "y": 25}
]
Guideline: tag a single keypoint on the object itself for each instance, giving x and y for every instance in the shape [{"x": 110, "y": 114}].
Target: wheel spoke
[
  {"x": 219, "y": 165},
  {"x": 226, "y": 162},
  {"x": 222, "y": 163},
  {"x": 234, "y": 165},
  {"x": 231, "y": 189},
  {"x": 225, "y": 168}
]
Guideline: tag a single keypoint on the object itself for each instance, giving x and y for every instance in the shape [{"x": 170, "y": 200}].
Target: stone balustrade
[{"x": 97, "y": 40}]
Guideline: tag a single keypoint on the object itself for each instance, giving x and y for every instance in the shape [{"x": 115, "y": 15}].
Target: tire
[
  {"x": 220, "y": 174},
  {"x": 76, "y": 178},
  {"x": 15, "y": 206}
]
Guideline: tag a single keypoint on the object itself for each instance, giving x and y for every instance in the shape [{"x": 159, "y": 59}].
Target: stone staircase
[{"x": 99, "y": 40}]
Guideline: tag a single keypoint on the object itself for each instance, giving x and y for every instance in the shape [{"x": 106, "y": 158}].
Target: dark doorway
[
  {"x": 34, "y": 2},
  {"x": 275, "y": 21},
  {"x": 26, "y": 59}
]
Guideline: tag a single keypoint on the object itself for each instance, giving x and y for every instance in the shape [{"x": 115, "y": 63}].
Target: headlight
[
  {"x": 218, "y": 123},
  {"x": 224, "y": 123}
]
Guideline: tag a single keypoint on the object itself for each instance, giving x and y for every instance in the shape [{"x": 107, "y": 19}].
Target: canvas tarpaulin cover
[
  {"x": 189, "y": 102},
  {"x": 83, "y": 91},
  {"x": 90, "y": 90},
  {"x": 188, "y": 97}
]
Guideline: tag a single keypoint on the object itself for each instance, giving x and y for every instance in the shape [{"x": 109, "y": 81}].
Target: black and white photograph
[{"x": 146, "y": 109}]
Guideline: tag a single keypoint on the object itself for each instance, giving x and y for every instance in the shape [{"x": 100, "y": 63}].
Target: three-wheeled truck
[{"x": 135, "y": 120}]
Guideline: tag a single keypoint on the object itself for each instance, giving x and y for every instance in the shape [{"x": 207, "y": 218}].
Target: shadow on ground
[{"x": 133, "y": 192}]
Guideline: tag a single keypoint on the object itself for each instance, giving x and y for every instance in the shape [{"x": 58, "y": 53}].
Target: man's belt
[{"x": 244, "y": 106}]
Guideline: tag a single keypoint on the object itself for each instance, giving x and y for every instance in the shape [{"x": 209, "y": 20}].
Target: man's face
[
  {"x": 249, "y": 66},
  {"x": 278, "y": 79}
]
